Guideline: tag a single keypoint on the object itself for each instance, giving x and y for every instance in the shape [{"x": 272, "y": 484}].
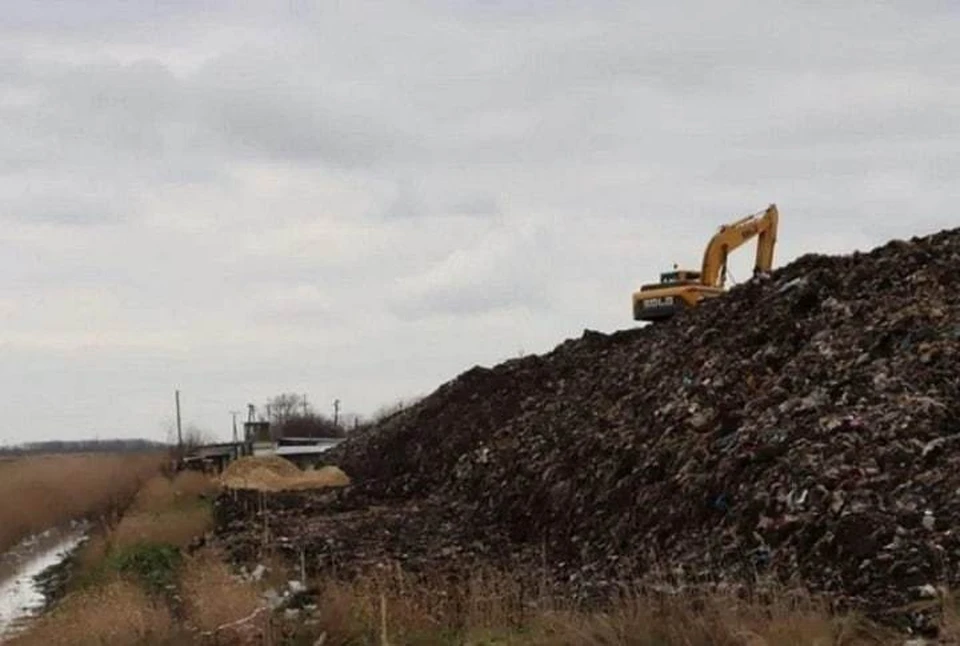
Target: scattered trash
[
  {"x": 258, "y": 572},
  {"x": 295, "y": 586}
]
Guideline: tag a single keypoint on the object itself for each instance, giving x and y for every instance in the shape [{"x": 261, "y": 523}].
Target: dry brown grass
[
  {"x": 163, "y": 511},
  {"x": 40, "y": 492},
  {"x": 192, "y": 483},
  {"x": 119, "y": 612},
  {"x": 177, "y": 527},
  {"x": 213, "y": 598},
  {"x": 161, "y": 494},
  {"x": 490, "y": 609},
  {"x": 166, "y": 511},
  {"x": 718, "y": 620}
]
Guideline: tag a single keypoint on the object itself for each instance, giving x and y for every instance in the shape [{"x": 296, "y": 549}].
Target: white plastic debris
[{"x": 296, "y": 586}]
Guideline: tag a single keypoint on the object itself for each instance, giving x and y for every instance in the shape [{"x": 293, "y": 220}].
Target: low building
[
  {"x": 306, "y": 456},
  {"x": 302, "y": 451},
  {"x": 215, "y": 457}
]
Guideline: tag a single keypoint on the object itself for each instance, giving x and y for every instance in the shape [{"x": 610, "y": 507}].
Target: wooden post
[
  {"x": 303, "y": 566},
  {"x": 384, "y": 637},
  {"x": 179, "y": 429}
]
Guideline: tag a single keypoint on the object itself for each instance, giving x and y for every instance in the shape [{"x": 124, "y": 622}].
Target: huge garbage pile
[{"x": 805, "y": 426}]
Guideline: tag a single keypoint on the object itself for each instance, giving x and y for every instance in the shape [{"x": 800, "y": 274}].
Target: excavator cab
[
  {"x": 683, "y": 288},
  {"x": 678, "y": 277}
]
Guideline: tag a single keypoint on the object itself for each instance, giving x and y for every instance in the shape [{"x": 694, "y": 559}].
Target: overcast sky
[{"x": 360, "y": 200}]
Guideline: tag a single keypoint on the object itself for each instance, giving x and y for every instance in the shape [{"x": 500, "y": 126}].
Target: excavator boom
[
  {"x": 732, "y": 236},
  {"x": 682, "y": 289}
]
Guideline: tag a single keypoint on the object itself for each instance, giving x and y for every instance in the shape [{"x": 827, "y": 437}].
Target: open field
[{"x": 39, "y": 492}]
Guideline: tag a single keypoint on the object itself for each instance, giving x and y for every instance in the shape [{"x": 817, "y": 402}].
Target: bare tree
[
  {"x": 194, "y": 436},
  {"x": 291, "y": 416},
  {"x": 285, "y": 407},
  {"x": 311, "y": 426}
]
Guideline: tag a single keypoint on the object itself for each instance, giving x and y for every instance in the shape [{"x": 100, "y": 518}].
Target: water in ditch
[{"x": 25, "y": 572}]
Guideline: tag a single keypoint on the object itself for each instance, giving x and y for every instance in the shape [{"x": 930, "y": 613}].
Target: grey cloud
[
  {"x": 297, "y": 123},
  {"x": 74, "y": 206},
  {"x": 407, "y": 202},
  {"x": 477, "y": 205},
  {"x": 506, "y": 269},
  {"x": 472, "y": 298}
]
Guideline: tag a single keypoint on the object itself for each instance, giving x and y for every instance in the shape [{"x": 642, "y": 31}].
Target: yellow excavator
[{"x": 683, "y": 288}]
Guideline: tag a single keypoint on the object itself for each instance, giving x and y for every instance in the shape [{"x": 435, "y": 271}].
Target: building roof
[{"x": 312, "y": 449}]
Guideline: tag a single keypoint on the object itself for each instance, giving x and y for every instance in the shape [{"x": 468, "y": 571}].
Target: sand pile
[
  {"x": 272, "y": 473},
  {"x": 275, "y": 464}
]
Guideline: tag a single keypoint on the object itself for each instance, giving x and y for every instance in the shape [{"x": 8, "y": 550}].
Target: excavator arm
[{"x": 732, "y": 236}]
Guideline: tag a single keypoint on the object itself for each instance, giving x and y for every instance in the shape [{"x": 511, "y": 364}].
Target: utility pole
[
  {"x": 234, "y": 414},
  {"x": 304, "y": 404},
  {"x": 179, "y": 429},
  {"x": 336, "y": 412}
]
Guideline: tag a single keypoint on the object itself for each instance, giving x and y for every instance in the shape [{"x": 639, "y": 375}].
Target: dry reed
[
  {"x": 177, "y": 527},
  {"x": 40, "y": 492},
  {"x": 491, "y": 609},
  {"x": 213, "y": 598},
  {"x": 721, "y": 620},
  {"x": 166, "y": 511},
  {"x": 119, "y": 612},
  {"x": 160, "y": 494}
]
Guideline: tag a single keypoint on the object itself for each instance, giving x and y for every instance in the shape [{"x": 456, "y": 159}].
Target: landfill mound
[
  {"x": 273, "y": 473},
  {"x": 804, "y": 427}
]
